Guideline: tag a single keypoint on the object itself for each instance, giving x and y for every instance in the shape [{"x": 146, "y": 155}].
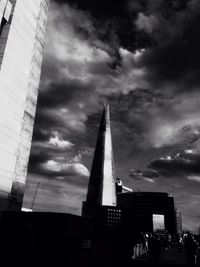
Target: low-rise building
[{"x": 147, "y": 212}]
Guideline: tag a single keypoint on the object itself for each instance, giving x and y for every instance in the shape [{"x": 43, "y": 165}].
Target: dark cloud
[
  {"x": 61, "y": 93},
  {"x": 53, "y": 164},
  {"x": 67, "y": 170},
  {"x": 185, "y": 163},
  {"x": 36, "y": 159},
  {"x": 147, "y": 175},
  {"x": 113, "y": 23},
  {"x": 103, "y": 8},
  {"x": 40, "y": 134},
  {"x": 167, "y": 29},
  {"x": 151, "y": 120},
  {"x": 175, "y": 57}
]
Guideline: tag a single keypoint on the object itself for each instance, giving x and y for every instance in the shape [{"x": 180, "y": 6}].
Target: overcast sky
[{"x": 141, "y": 57}]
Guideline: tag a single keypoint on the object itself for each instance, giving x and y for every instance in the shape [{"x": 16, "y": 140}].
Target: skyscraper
[
  {"x": 22, "y": 30},
  {"x": 101, "y": 189},
  {"x": 101, "y": 200}
]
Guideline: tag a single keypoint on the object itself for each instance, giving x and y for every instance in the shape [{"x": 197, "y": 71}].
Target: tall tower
[
  {"x": 22, "y": 30},
  {"x": 101, "y": 189},
  {"x": 101, "y": 200}
]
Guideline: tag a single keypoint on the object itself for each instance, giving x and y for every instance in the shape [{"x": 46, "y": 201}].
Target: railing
[{"x": 138, "y": 250}]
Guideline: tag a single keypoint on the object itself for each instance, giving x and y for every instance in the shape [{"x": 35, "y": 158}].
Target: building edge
[{"x": 11, "y": 196}]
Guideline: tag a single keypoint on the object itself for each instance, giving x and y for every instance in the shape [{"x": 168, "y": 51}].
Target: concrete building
[
  {"x": 22, "y": 30},
  {"x": 101, "y": 200},
  {"x": 147, "y": 211}
]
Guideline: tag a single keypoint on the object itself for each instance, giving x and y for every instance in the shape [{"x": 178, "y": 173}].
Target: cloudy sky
[{"x": 143, "y": 58}]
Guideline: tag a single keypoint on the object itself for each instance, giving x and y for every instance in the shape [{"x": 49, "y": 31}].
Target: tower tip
[{"x": 106, "y": 106}]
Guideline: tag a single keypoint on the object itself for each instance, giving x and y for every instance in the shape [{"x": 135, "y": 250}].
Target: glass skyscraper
[{"x": 101, "y": 201}]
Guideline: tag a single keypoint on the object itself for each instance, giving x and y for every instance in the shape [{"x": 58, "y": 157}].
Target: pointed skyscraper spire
[
  {"x": 102, "y": 186},
  {"x": 109, "y": 184}
]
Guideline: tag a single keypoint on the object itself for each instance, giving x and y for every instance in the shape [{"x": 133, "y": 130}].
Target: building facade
[
  {"x": 147, "y": 211},
  {"x": 22, "y": 31}
]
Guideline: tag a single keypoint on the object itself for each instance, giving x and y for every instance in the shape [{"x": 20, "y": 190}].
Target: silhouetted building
[
  {"x": 147, "y": 211},
  {"x": 101, "y": 200},
  {"x": 46, "y": 239},
  {"x": 22, "y": 30},
  {"x": 57, "y": 239}
]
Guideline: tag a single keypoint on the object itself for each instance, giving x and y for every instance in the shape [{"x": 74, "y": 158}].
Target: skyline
[{"x": 143, "y": 59}]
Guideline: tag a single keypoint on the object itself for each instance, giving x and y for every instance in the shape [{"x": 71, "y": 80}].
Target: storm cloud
[
  {"x": 186, "y": 163},
  {"x": 141, "y": 57}
]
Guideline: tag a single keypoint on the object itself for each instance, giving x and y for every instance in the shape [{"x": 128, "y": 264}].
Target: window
[
  {"x": 6, "y": 8},
  {"x": 3, "y": 23}
]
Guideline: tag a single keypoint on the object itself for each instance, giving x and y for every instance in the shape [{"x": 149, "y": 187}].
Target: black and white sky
[{"x": 143, "y": 58}]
